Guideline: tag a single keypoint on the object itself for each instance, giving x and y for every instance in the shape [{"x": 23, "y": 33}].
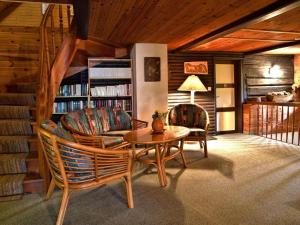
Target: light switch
[{"x": 209, "y": 88}]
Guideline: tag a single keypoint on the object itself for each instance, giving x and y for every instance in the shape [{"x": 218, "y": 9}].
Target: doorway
[{"x": 227, "y": 97}]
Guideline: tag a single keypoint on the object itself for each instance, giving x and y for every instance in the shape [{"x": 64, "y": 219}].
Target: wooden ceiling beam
[
  {"x": 8, "y": 10},
  {"x": 82, "y": 14},
  {"x": 271, "y": 31},
  {"x": 41, "y": 1},
  {"x": 261, "y": 15},
  {"x": 265, "y": 49}
]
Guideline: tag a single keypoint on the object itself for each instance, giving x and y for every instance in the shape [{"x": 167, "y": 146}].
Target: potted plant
[{"x": 158, "y": 121}]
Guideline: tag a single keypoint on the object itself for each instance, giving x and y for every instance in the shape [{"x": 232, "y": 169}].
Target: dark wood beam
[
  {"x": 271, "y": 31},
  {"x": 265, "y": 49},
  {"x": 261, "y": 15},
  {"x": 42, "y": 1},
  {"x": 82, "y": 13},
  {"x": 8, "y": 10}
]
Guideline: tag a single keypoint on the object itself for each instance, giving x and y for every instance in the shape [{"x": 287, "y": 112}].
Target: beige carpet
[{"x": 246, "y": 180}]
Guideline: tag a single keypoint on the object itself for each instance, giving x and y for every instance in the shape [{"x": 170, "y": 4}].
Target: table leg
[
  {"x": 160, "y": 167},
  {"x": 181, "y": 152}
]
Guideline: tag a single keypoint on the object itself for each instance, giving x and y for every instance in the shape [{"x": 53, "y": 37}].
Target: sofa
[{"x": 103, "y": 121}]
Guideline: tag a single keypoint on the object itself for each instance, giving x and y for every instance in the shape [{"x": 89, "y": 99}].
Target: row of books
[
  {"x": 73, "y": 90},
  {"x": 110, "y": 73},
  {"x": 116, "y": 90},
  {"x": 124, "y": 104},
  {"x": 62, "y": 107}
]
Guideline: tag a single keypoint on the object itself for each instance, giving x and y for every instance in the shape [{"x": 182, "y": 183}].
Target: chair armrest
[
  {"x": 121, "y": 146},
  {"x": 99, "y": 142},
  {"x": 94, "y": 141},
  {"x": 138, "y": 124}
]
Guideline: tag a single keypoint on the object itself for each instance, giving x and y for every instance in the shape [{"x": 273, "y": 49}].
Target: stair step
[
  {"x": 11, "y": 184},
  {"x": 25, "y": 99},
  {"x": 14, "y": 112},
  {"x": 33, "y": 183},
  {"x": 22, "y": 87},
  {"x": 13, "y": 163},
  {"x": 18, "y": 144},
  {"x": 16, "y": 127}
]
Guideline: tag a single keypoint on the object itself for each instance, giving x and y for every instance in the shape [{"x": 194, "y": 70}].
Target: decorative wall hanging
[
  {"x": 152, "y": 69},
  {"x": 199, "y": 67}
]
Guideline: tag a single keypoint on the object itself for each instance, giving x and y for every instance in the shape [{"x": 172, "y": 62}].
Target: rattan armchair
[
  {"x": 75, "y": 167},
  {"x": 196, "y": 118}
]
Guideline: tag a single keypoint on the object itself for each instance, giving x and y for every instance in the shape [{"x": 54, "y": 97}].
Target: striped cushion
[
  {"x": 119, "y": 120},
  {"x": 52, "y": 127},
  {"x": 79, "y": 121}
]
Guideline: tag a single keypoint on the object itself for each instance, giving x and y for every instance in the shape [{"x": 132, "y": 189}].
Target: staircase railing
[
  {"x": 53, "y": 31},
  {"x": 277, "y": 121}
]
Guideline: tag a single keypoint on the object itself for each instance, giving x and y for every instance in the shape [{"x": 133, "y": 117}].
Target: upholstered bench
[{"x": 101, "y": 122}]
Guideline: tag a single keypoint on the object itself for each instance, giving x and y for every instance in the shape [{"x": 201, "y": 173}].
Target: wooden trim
[
  {"x": 261, "y": 15},
  {"x": 271, "y": 31},
  {"x": 8, "y": 10},
  {"x": 42, "y": 1},
  {"x": 284, "y": 45},
  {"x": 258, "y": 39},
  {"x": 226, "y": 109}
]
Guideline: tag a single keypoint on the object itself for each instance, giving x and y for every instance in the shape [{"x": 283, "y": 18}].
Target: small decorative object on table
[{"x": 158, "y": 122}]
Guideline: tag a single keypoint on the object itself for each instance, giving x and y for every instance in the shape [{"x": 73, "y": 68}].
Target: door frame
[{"x": 237, "y": 92}]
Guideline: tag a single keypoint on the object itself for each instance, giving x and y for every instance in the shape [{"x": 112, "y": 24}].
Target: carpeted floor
[{"x": 246, "y": 180}]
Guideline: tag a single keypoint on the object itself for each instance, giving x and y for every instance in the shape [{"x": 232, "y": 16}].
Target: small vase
[{"x": 158, "y": 125}]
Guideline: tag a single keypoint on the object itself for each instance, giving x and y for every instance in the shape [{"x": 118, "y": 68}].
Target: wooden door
[{"x": 226, "y": 110}]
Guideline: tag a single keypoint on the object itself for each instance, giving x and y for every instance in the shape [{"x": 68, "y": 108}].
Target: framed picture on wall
[
  {"x": 199, "y": 67},
  {"x": 152, "y": 69}
]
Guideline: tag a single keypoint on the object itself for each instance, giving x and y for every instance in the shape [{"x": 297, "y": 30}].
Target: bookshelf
[
  {"x": 110, "y": 83},
  {"x": 72, "y": 94},
  {"x": 106, "y": 82}
]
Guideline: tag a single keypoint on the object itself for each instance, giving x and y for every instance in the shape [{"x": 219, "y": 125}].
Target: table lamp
[{"x": 193, "y": 84}]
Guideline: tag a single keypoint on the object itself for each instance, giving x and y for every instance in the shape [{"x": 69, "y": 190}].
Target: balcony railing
[{"x": 277, "y": 121}]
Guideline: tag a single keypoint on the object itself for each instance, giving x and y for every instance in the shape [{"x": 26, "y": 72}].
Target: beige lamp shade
[{"x": 192, "y": 83}]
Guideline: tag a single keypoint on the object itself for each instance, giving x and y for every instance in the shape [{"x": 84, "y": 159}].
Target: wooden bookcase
[{"x": 107, "y": 82}]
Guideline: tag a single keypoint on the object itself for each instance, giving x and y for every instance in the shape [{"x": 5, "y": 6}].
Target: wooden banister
[
  {"x": 278, "y": 121},
  {"x": 53, "y": 65}
]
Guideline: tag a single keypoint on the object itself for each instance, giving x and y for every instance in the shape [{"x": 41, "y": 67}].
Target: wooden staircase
[{"x": 19, "y": 172}]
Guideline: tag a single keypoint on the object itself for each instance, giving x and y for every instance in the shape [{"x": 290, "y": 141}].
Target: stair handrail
[{"x": 48, "y": 54}]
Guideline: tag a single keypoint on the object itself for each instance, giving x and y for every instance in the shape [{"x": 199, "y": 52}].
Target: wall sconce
[{"x": 275, "y": 71}]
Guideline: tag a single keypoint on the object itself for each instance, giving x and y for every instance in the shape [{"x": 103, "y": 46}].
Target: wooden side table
[{"x": 161, "y": 143}]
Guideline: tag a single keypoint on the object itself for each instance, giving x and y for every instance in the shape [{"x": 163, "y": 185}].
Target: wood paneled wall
[
  {"x": 19, "y": 55},
  {"x": 177, "y": 77},
  {"x": 30, "y": 15},
  {"x": 257, "y": 77}
]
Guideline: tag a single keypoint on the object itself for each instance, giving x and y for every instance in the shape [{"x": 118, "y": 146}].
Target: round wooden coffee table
[{"x": 161, "y": 143}]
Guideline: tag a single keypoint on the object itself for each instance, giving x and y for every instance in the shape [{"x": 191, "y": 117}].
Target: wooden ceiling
[
  {"x": 178, "y": 22},
  {"x": 194, "y": 25}
]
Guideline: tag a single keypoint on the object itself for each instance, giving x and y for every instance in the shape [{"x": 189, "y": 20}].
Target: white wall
[{"x": 149, "y": 96}]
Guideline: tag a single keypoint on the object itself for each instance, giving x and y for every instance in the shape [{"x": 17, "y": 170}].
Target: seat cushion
[
  {"x": 111, "y": 141},
  {"x": 120, "y": 133},
  {"x": 197, "y": 132}
]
